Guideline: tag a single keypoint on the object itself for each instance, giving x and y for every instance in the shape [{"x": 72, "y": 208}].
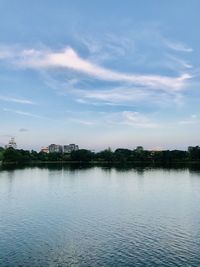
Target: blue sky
[{"x": 100, "y": 73}]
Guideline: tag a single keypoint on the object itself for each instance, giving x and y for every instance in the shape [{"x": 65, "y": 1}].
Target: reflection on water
[
  {"x": 123, "y": 167},
  {"x": 78, "y": 215}
]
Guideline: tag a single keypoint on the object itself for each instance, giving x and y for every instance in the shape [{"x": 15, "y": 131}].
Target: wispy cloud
[
  {"x": 6, "y": 52},
  {"x": 23, "y": 113},
  {"x": 178, "y": 46},
  {"x": 116, "y": 95},
  {"x": 69, "y": 59},
  {"x": 177, "y": 63},
  {"x": 16, "y": 100},
  {"x": 193, "y": 119},
  {"x": 137, "y": 119},
  {"x": 114, "y": 119},
  {"x": 101, "y": 103},
  {"x": 92, "y": 82},
  {"x": 106, "y": 46},
  {"x": 126, "y": 96},
  {"x": 83, "y": 122}
]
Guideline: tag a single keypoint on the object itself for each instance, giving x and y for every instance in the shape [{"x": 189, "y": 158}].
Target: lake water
[{"x": 62, "y": 216}]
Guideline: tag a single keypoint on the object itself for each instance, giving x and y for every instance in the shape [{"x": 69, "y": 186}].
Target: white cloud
[
  {"x": 117, "y": 95},
  {"x": 101, "y": 103},
  {"x": 6, "y": 52},
  {"x": 131, "y": 118},
  {"x": 138, "y": 120},
  {"x": 177, "y": 63},
  {"x": 126, "y": 96},
  {"x": 78, "y": 73},
  {"x": 83, "y": 122},
  {"x": 23, "y": 113},
  {"x": 177, "y": 46},
  {"x": 16, "y": 100},
  {"x": 69, "y": 59},
  {"x": 114, "y": 119}
]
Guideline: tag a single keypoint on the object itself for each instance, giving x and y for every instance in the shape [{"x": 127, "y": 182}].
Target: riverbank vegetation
[{"x": 120, "y": 155}]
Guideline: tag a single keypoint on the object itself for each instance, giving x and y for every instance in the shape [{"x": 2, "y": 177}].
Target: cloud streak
[
  {"x": 16, "y": 100},
  {"x": 116, "y": 119},
  {"x": 177, "y": 46},
  {"x": 138, "y": 120},
  {"x": 69, "y": 59},
  {"x": 126, "y": 96},
  {"x": 23, "y": 113}
]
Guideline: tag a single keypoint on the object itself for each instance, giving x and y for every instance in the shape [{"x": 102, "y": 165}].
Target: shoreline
[{"x": 147, "y": 163}]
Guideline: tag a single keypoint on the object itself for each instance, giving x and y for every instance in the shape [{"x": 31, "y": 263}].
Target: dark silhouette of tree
[
  {"x": 1, "y": 153},
  {"x": 120, "y": 155},
  {"x": 194, "y": 153},
  {"x": 12, "y": 155},
  {"x": 83, "y": 155},
  {"x": 105, "y": 155}
]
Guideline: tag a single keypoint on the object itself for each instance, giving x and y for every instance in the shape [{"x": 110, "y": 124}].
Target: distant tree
[
  {"x": 42, "y": 156},
  {"x": 194, "y": 153},
  {"x": 66, "y": 157},
  {"x": 34, "y": 155},
  {"x": 122, "y": 155},
  {"x": 54, "y": 156},
  {"x": 105, "y": 155},
  {"x": 82, "y": 155},
  {"x": 139, "y": 154},
  {"x": 1, "y": 153},
  {"x": 119, "y": 155},
  {"x": 12, "y": 155},
  {"x": 139, "y": 149}
]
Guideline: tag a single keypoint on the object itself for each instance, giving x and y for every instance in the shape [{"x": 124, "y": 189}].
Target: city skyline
[{"x": 100, "y": 74}]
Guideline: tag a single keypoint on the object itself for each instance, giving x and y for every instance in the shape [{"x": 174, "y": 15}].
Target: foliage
[
  {"x": 82, "y": 155},
  {"x": 105, "y": 155},
  {"x": 1, "y": 153},
  {"x": 120, "y": 155}
]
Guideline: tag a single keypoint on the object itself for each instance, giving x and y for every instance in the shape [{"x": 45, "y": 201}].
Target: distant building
[
  {"x": 44, "y": 150},
  {"x": 55, "y": 148},
  {"x": 66, "y": 149},
  {"x": 11, "y": 143},
  {"x": 69, "y": 148},
  {"x": 61, "y": 149}
]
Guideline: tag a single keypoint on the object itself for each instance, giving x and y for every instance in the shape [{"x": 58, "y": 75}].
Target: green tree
[
  {"x": 83, "y": 155},
  {"x": 1, "y": 153},
  {"x": 12, "y": 155},
  {"x": 105, "y": 155}
]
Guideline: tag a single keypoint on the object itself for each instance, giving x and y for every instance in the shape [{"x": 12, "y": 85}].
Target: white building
[{"x": 11, "y": 143}]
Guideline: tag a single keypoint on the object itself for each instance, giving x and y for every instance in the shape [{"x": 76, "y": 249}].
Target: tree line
[{"x": 120, "y": 155}]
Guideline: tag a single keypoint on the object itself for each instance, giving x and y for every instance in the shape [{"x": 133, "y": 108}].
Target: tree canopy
[{"x": 121, "y": 155}]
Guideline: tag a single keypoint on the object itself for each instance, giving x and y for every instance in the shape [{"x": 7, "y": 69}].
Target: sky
[{"x": 100, "y": 73}]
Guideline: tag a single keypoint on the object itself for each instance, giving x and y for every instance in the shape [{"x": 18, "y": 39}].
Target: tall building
[
  {"x": 55, "y": 148},
  {"x": 11, "y": 143},
  {"x": 69, "y": 148},
  {"x": 59, "y": 149}
]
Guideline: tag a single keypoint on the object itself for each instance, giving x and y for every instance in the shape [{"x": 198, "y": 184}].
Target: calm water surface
[{"x": 99, "y": 217}]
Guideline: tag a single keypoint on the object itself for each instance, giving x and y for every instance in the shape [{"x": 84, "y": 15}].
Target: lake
[{"x": 99, "y": 216}]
